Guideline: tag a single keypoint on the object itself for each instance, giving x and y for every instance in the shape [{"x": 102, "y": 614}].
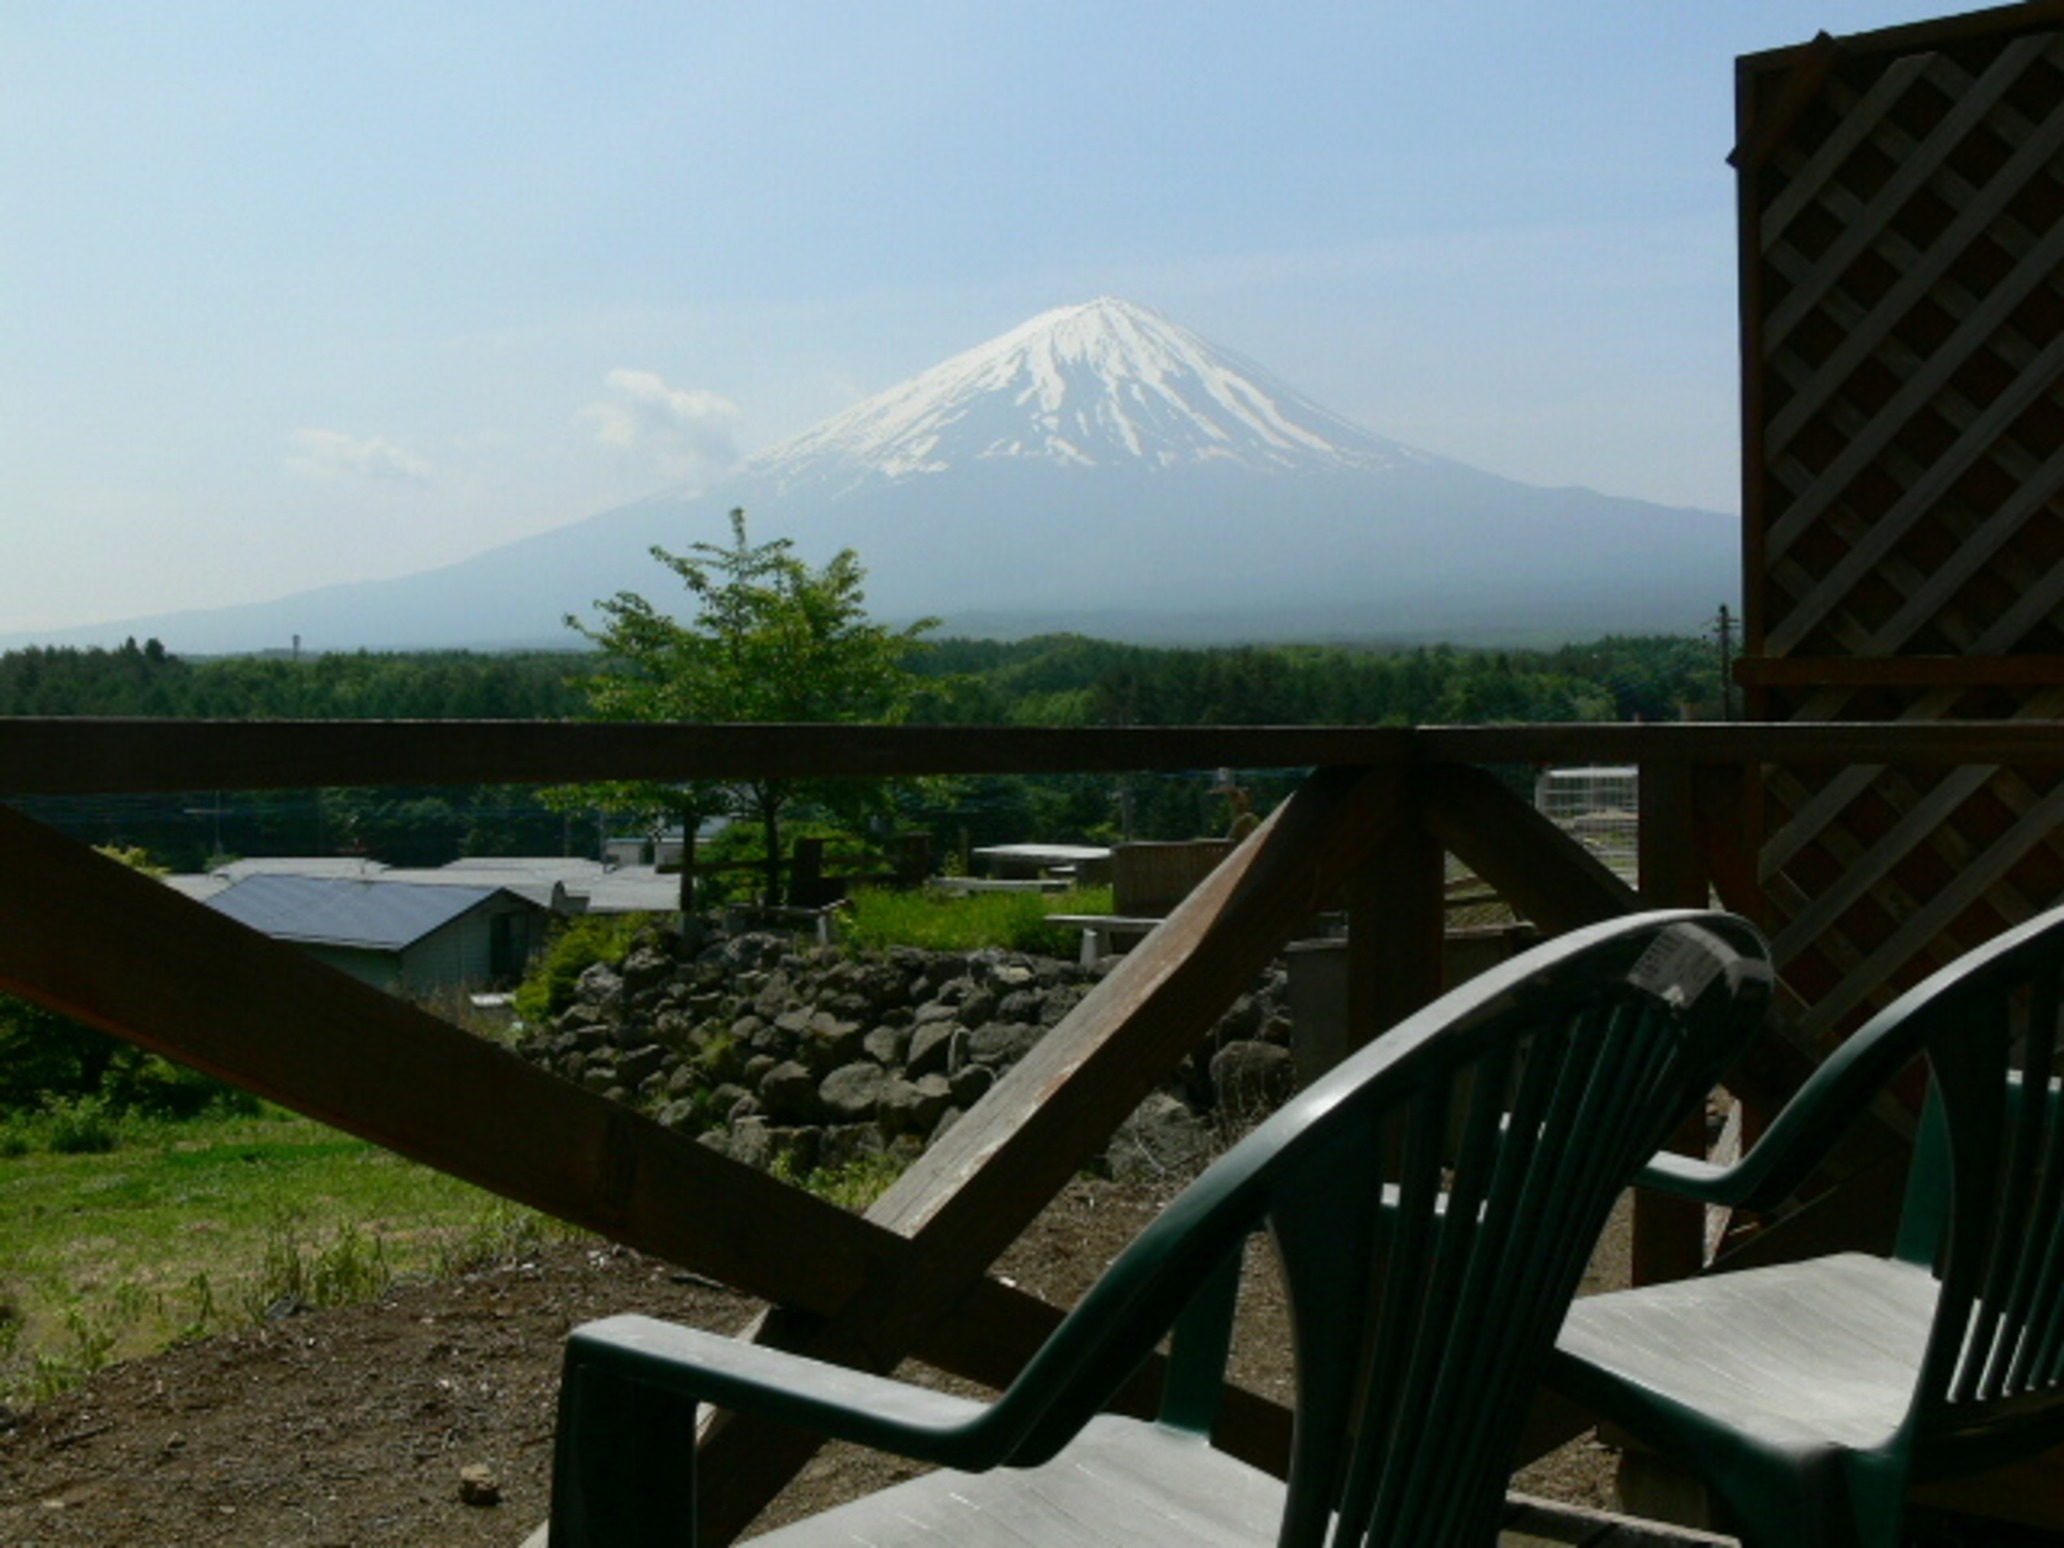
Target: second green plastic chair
[{"x": 1810, "y": 1396}]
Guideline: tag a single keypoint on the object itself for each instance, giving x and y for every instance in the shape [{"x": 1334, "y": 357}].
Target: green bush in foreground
[
  {"x": 1015, "y": 921},
  {"x": 547, "y": 989}
]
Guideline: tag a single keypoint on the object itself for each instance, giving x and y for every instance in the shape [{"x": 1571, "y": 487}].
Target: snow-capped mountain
[
  {"x": 1104, "y": 384},
  {"x": 1101, "y": 469}
]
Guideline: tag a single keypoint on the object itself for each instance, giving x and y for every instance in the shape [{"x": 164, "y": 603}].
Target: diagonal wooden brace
[
  {"x": 97, "y": 941},
  {"x": 94, "y": 940},
  {"x": 101, "y": 943},
  {"x": 974, "y": 1191}
]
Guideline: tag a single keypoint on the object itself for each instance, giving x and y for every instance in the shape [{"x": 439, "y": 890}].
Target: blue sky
[{"x": 296, "y": 293}]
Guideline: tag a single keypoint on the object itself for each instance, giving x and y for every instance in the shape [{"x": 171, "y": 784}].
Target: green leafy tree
[{"x": 771, "y": 640}]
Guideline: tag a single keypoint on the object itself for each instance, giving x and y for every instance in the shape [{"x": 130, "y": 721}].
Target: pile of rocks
[{"x": 815, "y": 1057}]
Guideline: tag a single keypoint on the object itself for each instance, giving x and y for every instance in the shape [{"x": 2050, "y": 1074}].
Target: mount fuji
[{"x": 1099, "y": 469}]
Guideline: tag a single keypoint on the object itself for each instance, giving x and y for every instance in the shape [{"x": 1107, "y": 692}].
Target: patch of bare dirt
[{"x": 393, "y": 1423}]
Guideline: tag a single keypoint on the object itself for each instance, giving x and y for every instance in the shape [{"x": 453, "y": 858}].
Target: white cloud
[
  {"x": 687, "y": 431},
  {"x": 331, "y": 456}
]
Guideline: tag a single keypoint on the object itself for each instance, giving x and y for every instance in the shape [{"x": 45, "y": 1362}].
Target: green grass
[
  {"x": 121, "y": 1235},
  {"x": 186, "y": 1229},
  {"x": 853, "y": 1186},
  {"x": 942, "y": 922}
]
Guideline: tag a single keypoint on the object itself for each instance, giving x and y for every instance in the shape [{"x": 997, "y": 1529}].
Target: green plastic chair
[
  {"x": 1512, "y": 1113},
  {"x": 1808, "y": 1396}
]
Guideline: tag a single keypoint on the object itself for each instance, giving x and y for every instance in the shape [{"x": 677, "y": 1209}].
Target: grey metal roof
[
  {"x": 544, "y": 891},
  {"x": 556, "y": 867},
  {"x": 299, "y": 865},
  {"x": 333, "y": 911},
  {"x": 200, "y": 886},
  {"x": 631, "y": 889}
]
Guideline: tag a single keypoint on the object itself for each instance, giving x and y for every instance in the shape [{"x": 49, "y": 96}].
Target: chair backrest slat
[
  {"x": 1496, "y": 1172},
  {"x": 2037, "y": 1362},
  {"x": 1346, "y": 1254},
  {"x": 2032, "y": 1198},
  {"x": 1526, "y": 1216},
  {"x": 1996, "y": 1318},
  {"x": 1433, "y": 1203},
  {"x": 1995, "y": 1040}
]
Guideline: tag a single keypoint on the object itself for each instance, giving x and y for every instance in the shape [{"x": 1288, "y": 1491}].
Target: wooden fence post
[{"x": 1396, "y": 917}]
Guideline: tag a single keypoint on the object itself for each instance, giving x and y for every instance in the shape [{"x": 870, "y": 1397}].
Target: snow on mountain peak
[{"x": 1106, "y": 382}]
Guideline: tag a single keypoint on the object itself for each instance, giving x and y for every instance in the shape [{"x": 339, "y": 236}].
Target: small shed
[{"x": 409, "y": 937}]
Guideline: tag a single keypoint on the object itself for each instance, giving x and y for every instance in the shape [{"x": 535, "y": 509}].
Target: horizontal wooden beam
[
  {"x": 1936, "y": 744},
  {"x": 1899, "y": 671},
  {"x": 98, "y": 756},
  {"x": 1991, "y": 24},
  {"x": 62, "y": 756}
]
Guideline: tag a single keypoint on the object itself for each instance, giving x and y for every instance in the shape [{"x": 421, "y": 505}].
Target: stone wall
[{"x": 814, "y": 1057}]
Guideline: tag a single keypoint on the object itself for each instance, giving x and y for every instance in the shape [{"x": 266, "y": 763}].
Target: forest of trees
[
  {"x": 1053, "y": 680},
  {"x": 1070, "y": 680}
]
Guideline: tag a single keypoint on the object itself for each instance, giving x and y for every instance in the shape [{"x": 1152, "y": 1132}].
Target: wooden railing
[{"x": 1368, "y": 828}]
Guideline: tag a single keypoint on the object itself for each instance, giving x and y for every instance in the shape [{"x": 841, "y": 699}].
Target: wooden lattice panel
[
  {"x": 1909, "y": 247},
  {"x": 1903, "y": 298},
  {"x": 1873, "y": 875}
]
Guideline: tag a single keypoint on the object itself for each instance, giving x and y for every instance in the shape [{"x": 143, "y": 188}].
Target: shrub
[
  {"x": 547, "y": 989},
  {"x": 20, "y": 1133},
  {"x": 158, "y": 1088},
  {"x": 45, "y": 1057},
  {"x": 506, "y": 1234},
  {"x": 79, "y": 1126},
  {"x": 1016, "y": 921},
  {"x": 352, "y": 1266},
  {"x": 852, "y": 1187}
]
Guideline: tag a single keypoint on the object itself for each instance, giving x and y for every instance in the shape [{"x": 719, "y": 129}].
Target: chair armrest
[
  {"x": 624, "y": 1472},
  {"x": 1799, "y": 1139},
  {"x": 1773, "y": 1169},
  {"x": 832, "y": 1400},
  {"x": 1686, "y": 1177}
]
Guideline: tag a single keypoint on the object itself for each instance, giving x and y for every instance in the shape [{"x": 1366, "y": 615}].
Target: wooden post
[
  {"x": 1672, "y": 858},
  {"x": 1396, "y": 916}
]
